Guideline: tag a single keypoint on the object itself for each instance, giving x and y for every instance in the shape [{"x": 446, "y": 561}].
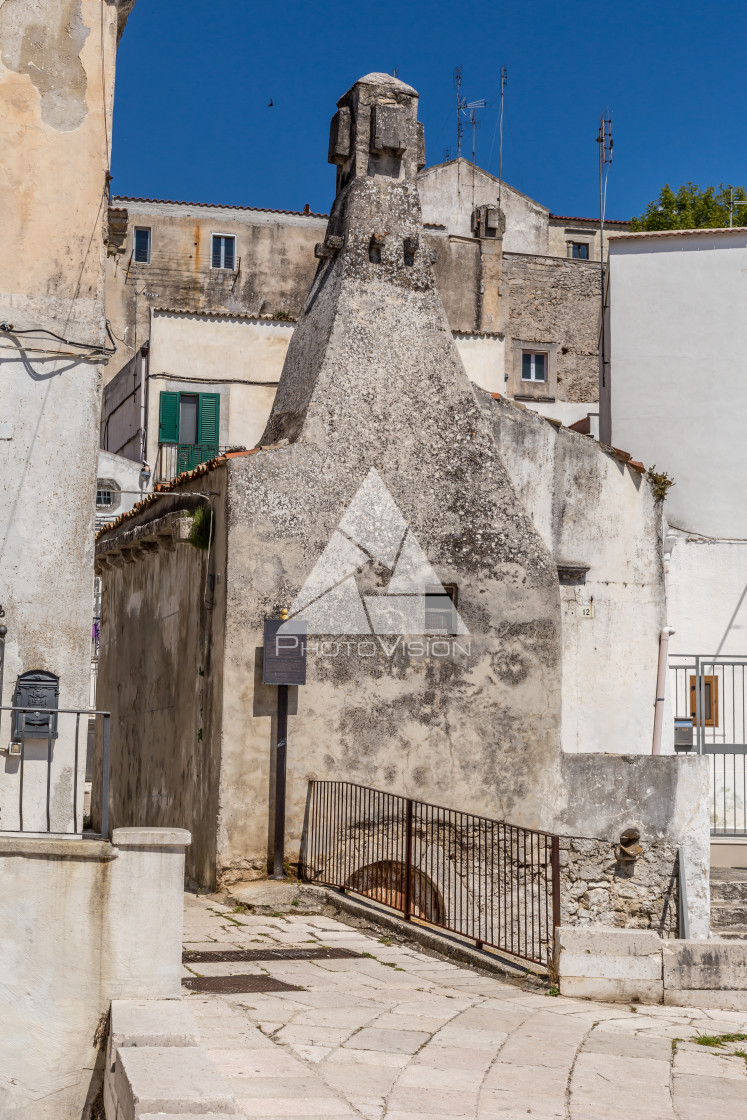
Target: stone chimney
[{"x": 372, "y": 379}]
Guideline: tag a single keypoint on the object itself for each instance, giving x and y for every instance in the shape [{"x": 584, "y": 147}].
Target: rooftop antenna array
[
  {"x": 605, "y": 142},
  {"x": 467, "y": 109}
]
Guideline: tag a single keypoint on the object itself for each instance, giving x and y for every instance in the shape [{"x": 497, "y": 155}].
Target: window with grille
[
  {"x": 533, "y": 366},
  {"x": 224, "y": 251},
  {"x": 440, "y": 604},
  {"x": 104, "y": 499},
  {"x": 142, "y": 246}
]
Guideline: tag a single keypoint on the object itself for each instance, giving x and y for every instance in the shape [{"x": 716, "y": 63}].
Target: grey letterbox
[{"x": 683, "y": 734}]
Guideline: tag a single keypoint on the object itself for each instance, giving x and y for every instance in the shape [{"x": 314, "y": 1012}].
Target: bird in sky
[{"x": 270, "y": 103}]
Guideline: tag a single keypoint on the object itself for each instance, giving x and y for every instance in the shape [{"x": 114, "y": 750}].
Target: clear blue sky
[{"x": 194, "y": 78}]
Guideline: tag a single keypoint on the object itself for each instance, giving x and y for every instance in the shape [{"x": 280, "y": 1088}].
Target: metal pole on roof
[
  {"x": 504, "y": 80},
  {"x": 604, "y": 140}
]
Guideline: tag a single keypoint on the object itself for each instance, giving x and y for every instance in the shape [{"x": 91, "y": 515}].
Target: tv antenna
[
  {"x": 605, "y": 142},
  {"x": 504, "y": 82}
]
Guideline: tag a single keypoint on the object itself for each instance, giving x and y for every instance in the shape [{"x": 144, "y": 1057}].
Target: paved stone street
[{"x": 402, "y": 1035}]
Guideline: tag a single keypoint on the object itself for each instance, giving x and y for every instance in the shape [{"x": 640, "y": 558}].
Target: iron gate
[{"x": 711, "y": 692}]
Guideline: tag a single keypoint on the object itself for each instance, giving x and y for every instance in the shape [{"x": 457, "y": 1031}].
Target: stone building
[
  {"x": 384, "y": 482},
  {"x": 204, "y": 299}
]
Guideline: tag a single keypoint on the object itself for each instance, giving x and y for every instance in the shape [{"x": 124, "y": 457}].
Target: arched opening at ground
[{"x": 385, "y": 881}]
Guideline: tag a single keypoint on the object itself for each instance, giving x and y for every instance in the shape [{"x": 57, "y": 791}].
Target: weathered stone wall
[
  {"x": 551, "y": 299},
  {"x": 160, "y": 675},
  {"x": 597, "y": 888}
]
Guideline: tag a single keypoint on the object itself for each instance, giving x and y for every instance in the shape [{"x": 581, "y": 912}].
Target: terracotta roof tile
[{"x": 218, "y": 206}]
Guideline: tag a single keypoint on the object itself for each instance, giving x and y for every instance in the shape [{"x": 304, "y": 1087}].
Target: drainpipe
[
  {"x": 143, "y": 379},
  {"x": 661, "y": 684}
]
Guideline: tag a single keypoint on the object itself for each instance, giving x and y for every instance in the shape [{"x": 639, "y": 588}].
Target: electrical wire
[{"x": 6, "y": 328}]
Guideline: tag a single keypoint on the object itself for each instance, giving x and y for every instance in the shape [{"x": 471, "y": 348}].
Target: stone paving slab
[{"x": 400, "y": 1034}]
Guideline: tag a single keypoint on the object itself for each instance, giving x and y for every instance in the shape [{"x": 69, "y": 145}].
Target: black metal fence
[
  {"x": 43, "y": 804},
  {"x": 495, "y": 883},
  {"x": 711, "y": 694}
]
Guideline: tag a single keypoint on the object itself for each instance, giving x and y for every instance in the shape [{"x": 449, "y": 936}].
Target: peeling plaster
[{"x": 48, "y": 51}]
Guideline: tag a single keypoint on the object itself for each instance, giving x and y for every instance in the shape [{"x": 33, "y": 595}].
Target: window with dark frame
[
  {"x": 580, "y": 250},
  {"x": 223, "y": 251},
  {"x": 142, "y": 246},
  {"x": 534, "y": 366},
  {"x": 440, "y": 605},
  {"x": 104, "y": 499}
]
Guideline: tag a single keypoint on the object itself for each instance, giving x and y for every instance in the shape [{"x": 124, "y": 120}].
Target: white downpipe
[{"x": 661, "y": 684}]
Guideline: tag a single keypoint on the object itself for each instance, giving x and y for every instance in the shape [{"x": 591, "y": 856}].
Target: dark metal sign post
[{"x": 284, "y": 664}]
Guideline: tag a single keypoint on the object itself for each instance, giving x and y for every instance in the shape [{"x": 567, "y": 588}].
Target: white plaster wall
[
  {"x": 47, "y": 498},
  {"x": 567, "y": 412},
  {"x": 73, "y": 940},
  {"x": 126, "y": 474},
  {"x": 450, "y": 192},
  {"x": 707, "y": 600},
  {"x": 678, "y": 379},
  {"x": 591, "y": 509},
  {"x": 484, "y": 360}
]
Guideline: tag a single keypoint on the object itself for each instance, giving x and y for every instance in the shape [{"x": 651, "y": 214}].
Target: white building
[{"x": 675, "y": 395}]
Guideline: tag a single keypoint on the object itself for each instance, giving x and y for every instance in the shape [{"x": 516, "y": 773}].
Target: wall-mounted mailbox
[
  {"x": 683, "y": 734},
  {"x": 39, "y": 691}
]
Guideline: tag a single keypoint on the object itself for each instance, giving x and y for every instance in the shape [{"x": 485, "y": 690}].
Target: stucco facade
[{"x": 57, "y": 90}]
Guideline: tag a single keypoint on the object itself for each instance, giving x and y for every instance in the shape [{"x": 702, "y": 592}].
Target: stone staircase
[{"x": 729, "y": 901}]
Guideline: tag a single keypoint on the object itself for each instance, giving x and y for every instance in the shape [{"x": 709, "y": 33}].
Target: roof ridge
[{"x": 216, "y": 205}]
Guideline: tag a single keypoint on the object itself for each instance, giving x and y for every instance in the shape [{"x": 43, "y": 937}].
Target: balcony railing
[
  {"x": 176, "y": 458},
  {"x": 36, "y": 736}
]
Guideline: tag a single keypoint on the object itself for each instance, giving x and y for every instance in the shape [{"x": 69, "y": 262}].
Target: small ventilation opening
[{"x": 374, "y": 248}]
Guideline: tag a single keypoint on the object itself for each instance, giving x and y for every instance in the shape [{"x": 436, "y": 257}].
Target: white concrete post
[{"x": 143, "y": 934}]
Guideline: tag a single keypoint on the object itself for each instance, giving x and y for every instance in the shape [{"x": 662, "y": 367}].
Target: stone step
[
  {"x": 729, "y": 915},
  {"x": 727, "y": 890}
]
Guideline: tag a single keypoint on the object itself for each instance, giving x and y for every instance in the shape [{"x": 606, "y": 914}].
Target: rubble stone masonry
[{"x": 552, "y": 299}]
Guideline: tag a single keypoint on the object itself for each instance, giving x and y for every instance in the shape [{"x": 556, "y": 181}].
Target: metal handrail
[
  {"x": 494, "y": 883},
  {"x": 106, "y": 740}
]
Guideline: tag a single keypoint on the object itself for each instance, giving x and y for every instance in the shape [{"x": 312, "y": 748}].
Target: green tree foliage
[{"x": 692, "y": 208}]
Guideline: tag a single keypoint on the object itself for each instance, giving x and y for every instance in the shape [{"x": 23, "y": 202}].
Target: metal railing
[
  {"x": 176, "y": 458},
  {"x": 33, "y": 747},
  {"x": 711, "y": 692},
  {"x": 492, "y": 882}
]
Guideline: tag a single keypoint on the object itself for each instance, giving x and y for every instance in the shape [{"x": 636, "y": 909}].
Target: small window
[
  {"x": 440, "y": 604},
  {"x": 533, "y": 366},
  {"x": 142, "y": 246},
  {"x": 708, "y": 700},
  {"x": 224, "y": 251},
  {"x": 104, "y": 499},
  {"x": 580, "y": 250}
]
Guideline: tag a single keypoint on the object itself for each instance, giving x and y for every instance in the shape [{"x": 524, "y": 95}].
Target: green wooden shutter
[
  {"x": 168, "y": 418},
  {"x": 208, "y": 423}
]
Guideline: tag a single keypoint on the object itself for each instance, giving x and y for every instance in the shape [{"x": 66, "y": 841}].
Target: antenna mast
[
  {"x": 504, "y": 81},
  {"x": 604, "y": 140},
  {"x": 458, "y": 79}
]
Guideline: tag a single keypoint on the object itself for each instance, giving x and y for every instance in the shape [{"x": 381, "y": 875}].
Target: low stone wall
[
  {"x": 598, "y": 888},
  {"x": 626, "y": 966},
  {"x": 155, "y": 1066},
  {"x": 82, "y": 922}
]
